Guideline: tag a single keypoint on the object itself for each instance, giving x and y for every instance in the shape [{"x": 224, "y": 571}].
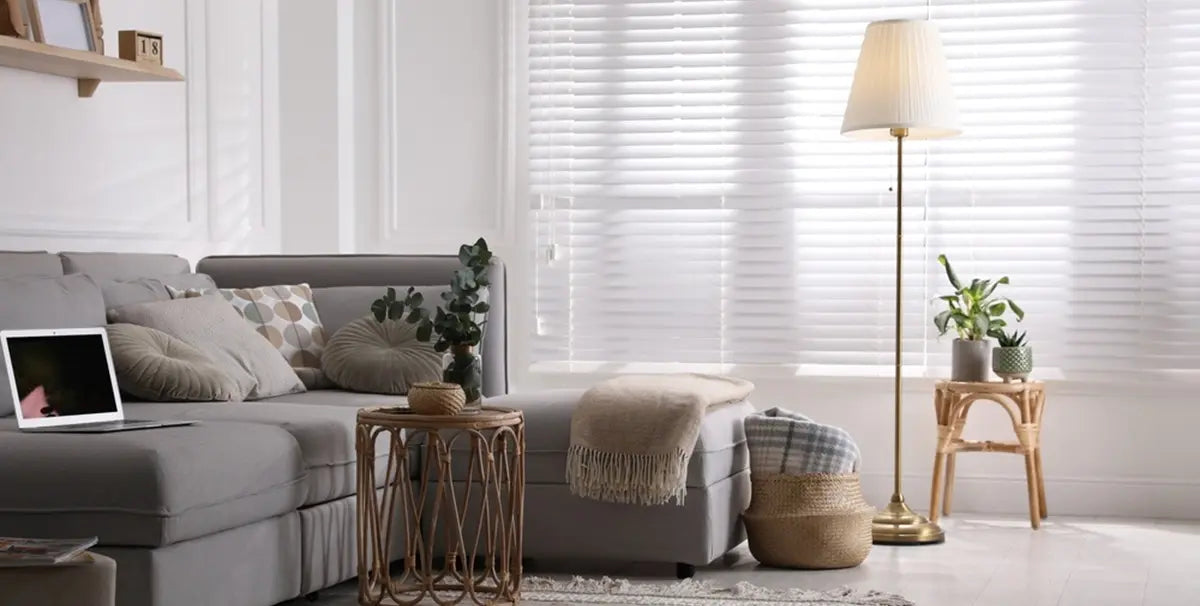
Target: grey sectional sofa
[{"x": 255, "y": 505}]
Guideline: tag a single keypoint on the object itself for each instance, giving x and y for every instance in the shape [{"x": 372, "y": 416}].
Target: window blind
[{"x": 693, "y": 201}]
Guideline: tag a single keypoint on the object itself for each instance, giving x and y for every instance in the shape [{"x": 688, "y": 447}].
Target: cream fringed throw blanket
[{"x": 632, "y": 436}]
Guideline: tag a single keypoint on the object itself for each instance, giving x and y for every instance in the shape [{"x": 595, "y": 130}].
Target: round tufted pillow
[
  {"x": 375, "y": 357},
  {"x": 153, "y": 365}
]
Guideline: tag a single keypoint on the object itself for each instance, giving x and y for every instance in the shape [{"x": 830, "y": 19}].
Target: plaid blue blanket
[{"x": 781, "y": 441}]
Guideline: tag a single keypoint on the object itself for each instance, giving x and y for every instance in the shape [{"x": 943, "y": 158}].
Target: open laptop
[{"x": 62, "y": 381}]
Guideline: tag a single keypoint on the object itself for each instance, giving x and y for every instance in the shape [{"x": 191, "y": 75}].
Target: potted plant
[
  {"x": 1012, "y": 359},
  {"x": 976, "y": 313},
  {"x": 457, "y": 325}
]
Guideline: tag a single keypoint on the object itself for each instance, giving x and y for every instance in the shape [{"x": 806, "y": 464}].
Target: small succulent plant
[{"x": 1009, "y": 339}]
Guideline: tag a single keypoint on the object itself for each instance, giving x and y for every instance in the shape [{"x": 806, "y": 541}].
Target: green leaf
[
  {"x": 998, "y": 309},
  {"x": 379, "y": 310},
  {"x": 949, "y": 272},
  {"x": 1016, "y": 310},
  {"x": 949, "y": 298},
  {"x": 395, "y": 311},
  {"x": 424, "y": 331},
  {"x": 481, "y": 307},
  {"x": 441, "y": 346},
  {"x": 989, "y": 291},
  {"x": 942, "y": 321},
  {"x": 996, "y": 325},
  {"x": 981, "y": 325},
  {"x": 391, "y": 294},
  {"x": 416, "y": 299}
]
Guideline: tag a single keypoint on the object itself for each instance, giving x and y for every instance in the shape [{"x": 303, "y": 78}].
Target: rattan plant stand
[
  {"x": 477, "y": 519},
  {"x": 1024, "y": 403}
]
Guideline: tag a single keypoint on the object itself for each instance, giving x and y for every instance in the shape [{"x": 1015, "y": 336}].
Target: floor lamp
[{"x": 901, "y": 89}]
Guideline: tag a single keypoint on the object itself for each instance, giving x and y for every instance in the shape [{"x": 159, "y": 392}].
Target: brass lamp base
[{"x": 899, "y": 525}]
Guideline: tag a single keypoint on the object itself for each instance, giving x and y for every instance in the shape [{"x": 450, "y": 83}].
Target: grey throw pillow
[
  {"x": 384, "y": 358},
  {"x": 212, "y": 326},
  {"x": 153, "y": 365}
]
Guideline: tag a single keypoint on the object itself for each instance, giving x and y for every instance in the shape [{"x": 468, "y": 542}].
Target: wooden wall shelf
[{"x": 90, "y": 69}]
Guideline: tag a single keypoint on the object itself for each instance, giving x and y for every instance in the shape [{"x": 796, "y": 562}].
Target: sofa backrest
[
  {"x": 15, "y": 264},
  {"x": 122, "y": 266},
  {"x": 33, "y": 301},
  {"x": 344, "y": 286}
]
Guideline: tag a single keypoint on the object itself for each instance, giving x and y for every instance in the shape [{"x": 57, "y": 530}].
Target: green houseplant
[
  {"x": 1012, "y": 359},
  {"x": 456, "y": 326},
  {"x": 975, "y": 312}
]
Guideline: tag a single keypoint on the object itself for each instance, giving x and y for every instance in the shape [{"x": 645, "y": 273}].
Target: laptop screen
[{"x": 61, "y": 375}]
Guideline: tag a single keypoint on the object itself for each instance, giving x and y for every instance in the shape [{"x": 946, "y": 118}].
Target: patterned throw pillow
[{"x": 285, "y": 316}]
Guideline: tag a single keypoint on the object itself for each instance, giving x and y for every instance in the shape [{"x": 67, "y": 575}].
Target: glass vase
[{"x": 463, "y": 367}]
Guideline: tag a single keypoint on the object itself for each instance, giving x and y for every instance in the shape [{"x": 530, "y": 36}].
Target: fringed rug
[{"x": 690, "y": 592}]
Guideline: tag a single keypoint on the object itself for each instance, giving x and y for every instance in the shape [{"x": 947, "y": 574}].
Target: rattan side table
[
  {"x": 479, "y": 517},
  {"x": 1024, "y": 403}
]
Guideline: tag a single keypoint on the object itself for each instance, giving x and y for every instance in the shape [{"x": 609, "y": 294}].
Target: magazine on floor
[{"x": 41, "y": 552}]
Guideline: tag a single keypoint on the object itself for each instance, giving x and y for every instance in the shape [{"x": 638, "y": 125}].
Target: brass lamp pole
[{"x": 901, "y": 90}]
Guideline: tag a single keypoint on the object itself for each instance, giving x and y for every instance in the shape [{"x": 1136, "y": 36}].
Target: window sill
[{"x": 914, "y": 377}]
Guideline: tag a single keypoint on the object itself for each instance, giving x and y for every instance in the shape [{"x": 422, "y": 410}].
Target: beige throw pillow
[
  {"x": 375, "y": 357},
  {"x": 285, "y": 316},
  {"x": 153, "y": 365},
  {"x": 209, "y": 324}
]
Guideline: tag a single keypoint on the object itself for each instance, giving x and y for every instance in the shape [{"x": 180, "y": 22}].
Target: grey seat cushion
[
  {"x": 720, "y": 450},
  {"x": 46, "y": 302},
  {"x": 147, "y": 488},
  {"x": 337, "y": 397},
  {"x": 324, "y": 434}
]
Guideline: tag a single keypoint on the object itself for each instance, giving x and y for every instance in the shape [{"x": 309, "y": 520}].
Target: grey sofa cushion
[
  {"x": 29, "y": 263},
  {"x": 122, "y": 266},
  {"x": 720, "y": 449},
  {"x": 212, "y": 326},
  {"x": 325, "y": 435},
  {"x": 119, "y": 293},
  {"x": 153, "y": 365},
  {"x": 147, "y": 488},
  {"x": 379, "y": 357},
  {"x": 41, "y": 302}
]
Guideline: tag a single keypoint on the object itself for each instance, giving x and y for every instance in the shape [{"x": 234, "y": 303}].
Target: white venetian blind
[{"x": 693, "y": 201}]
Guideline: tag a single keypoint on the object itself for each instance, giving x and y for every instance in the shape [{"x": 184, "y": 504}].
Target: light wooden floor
[{"x": 986, "y": 561}]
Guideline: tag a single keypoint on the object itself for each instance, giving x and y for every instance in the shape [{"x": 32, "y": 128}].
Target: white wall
[{"x": 172, "y": 167}]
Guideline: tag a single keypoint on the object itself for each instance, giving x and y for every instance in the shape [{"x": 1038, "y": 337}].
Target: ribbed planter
[
  {"x": 1012, "y": 363},
  {"x": 969, "y": 362}
]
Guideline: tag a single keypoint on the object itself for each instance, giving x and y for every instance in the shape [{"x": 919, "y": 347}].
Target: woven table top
[{"x": 487, "y": 418}]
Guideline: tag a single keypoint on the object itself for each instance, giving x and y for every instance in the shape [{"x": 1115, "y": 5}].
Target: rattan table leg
[
  {"x": 935, "y": 496},
  {"x": 1035, "y": 518},
  {"x": 950, "y": 459},
  {"x": 1041, "y": 481}
]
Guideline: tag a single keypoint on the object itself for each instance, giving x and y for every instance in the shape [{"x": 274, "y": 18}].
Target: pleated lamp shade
[{"x": 901, "y": 81}]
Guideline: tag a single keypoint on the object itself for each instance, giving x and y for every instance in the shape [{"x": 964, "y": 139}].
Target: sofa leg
[
  {"x": 684, "y": 571},
  {"x": 312, "y": 597}
]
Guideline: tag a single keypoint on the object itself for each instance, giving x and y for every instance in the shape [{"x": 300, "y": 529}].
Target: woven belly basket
[{"x": 808, "y": 521}]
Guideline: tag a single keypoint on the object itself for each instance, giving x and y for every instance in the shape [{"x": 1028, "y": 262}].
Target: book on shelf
[{"x": 41, "y": 552}]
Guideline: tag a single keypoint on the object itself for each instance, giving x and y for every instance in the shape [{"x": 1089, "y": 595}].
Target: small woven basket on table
[
  {"x": 808, "y": 521},
  {"x": 436, "y": 398}
]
